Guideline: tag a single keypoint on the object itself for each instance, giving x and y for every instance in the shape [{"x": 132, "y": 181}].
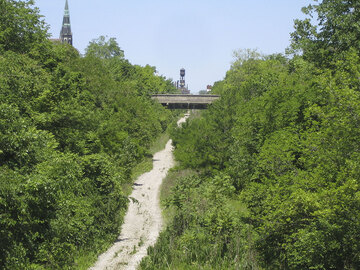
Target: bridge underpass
[{"x": 178, "y": 101}]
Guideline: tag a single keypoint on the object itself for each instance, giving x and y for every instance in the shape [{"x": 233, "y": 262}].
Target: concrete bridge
[{"x": 177, "y": 101}]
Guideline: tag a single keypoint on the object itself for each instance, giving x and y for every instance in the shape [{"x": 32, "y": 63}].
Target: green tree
[
  {"x": 283, "y": 140},
  {"x": 104, "y": 49},
  {"x": 21, "y": 26},
  {"x": 336, "y": 30}
]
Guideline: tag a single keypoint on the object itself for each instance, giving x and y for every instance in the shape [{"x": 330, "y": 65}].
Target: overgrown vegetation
[
  {"x": 72, "y": 129},
  {"x": 278, "y": 159}
]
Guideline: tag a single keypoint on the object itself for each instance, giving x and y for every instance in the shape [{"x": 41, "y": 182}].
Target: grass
[
  {"x": 87, "y": 258},
  {"x": 147, "y": 164},
  {"x": 165, "y": 190},
  {"x": 144, "y": 166},
  {"x": 84, "y": 261},
  {"x": 159, "y": 143}
]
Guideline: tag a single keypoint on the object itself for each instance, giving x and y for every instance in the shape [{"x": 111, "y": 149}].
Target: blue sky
[{"x": 198, "y": 35}]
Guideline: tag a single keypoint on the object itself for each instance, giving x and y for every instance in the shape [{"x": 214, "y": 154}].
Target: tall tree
[
  {"x": 103, "y": 48},
  {"x": 332, "y": 27},
  {"x": 21, "y": 26}
]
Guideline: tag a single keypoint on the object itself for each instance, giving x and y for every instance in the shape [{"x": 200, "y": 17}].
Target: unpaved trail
[{"x": 143, "y": 220}]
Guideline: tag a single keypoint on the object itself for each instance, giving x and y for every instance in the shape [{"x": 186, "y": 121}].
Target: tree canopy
[
  {"x": 21, "y": 26},
  {"x": 72, "y": 129},
  {"x": 274, "y": 180},
  {"x": 332, "y": 27},
  {"x": 103, "y": 48}
]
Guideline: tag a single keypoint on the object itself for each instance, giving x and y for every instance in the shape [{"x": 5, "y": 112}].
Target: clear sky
[{"x": 198, "y": 35}]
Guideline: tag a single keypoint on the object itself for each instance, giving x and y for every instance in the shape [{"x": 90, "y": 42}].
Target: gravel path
[{"x": 143, "y": 220}]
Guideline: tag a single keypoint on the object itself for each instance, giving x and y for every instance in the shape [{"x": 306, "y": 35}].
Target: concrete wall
[{"x": 185, "y": 99}]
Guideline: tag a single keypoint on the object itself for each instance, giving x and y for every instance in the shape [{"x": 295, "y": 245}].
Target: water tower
[
  {"x": 182, "y": 78},
  {"x": 181, "y": 86}
]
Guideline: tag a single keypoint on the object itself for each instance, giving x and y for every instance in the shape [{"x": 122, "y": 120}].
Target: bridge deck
[{"x": 177, "y": 101}]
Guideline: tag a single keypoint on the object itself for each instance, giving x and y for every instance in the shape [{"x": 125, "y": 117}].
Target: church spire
[{"x": 65, "y": 34}]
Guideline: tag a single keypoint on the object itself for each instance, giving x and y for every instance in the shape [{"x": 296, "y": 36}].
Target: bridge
[{"x": 177, "y": 101}]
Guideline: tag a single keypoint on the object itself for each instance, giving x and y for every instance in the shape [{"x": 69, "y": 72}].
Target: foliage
[
  {"x": 71, "y": 130},
  {"x": 331, "y": 27},
  {"x": 21, "y": 26},
  {"x": 104, "y": 49},
  {"x": 206, "y": 232},
  {"x": 279, "y": 160}
]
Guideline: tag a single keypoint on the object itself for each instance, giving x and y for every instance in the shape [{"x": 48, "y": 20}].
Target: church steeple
[{"x": 65, "y": 34}]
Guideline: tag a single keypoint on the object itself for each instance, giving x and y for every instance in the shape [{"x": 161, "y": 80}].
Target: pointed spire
[{"x": 65, "y": 34}]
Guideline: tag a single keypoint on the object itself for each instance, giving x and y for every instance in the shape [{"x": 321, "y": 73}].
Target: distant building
[
  {"x": 181, "y": 83},
  {"x": 208, "y": 88},
  {"x": 66, "y": 34}
]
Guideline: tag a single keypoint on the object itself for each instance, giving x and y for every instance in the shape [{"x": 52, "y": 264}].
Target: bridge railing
[{"x": 180, "y": 101}]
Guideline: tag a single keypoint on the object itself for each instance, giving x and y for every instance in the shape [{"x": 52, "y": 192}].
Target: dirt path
[{"x": 143, "y": 220}]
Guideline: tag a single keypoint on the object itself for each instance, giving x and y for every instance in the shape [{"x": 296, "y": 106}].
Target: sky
[{"x": 198, "y": 35}]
